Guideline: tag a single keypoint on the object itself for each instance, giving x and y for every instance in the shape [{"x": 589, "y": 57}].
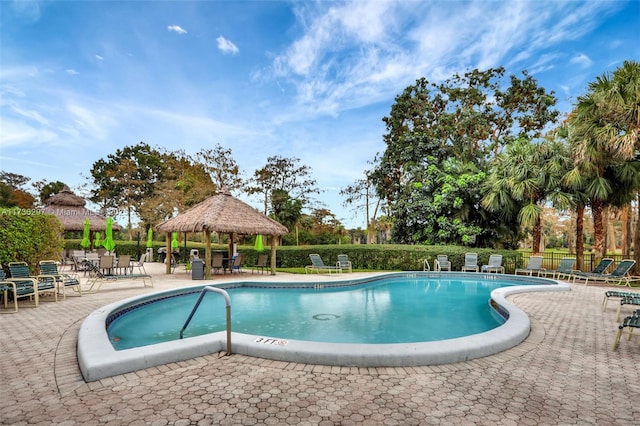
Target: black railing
[{"x": 551, "y": 259}]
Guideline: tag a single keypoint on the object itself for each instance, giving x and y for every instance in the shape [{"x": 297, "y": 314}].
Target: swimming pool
[{"x": 99, "y": 359}]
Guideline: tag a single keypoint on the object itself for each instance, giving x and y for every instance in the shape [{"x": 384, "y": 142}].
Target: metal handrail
[{"x": 228, "y": 308}]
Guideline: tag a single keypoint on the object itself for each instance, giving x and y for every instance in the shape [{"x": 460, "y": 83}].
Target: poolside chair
[
  {"x": 237, "y": 263},
  {"x": 28, "y": 285},
  {"x": 139, "y": 264},
  {"x": 620, "y": 275},
  {"x": 565, "y": 269},
  {"x": 629, "y": 301},
  {"x": 494, "y": 265},
  {"x": 442, "y": 263},
  {"x": 613, "y": 294},
  {"x": 123, "y": 263},
  {"x": 261, "y": 263},
  {"x": 49, "y": 271},
  {"x": 534, "y": 265},
  {"x": 217, "y": 262},
  {"x": 6, "y": 287},
  {"x": 106, "y": 264},
  {"x": 317, "y": 265},
  {"x": 470, "y": 262},
  {"x": 632, "y": 321},
  {"x": 96, "y": 276},
  {"x": 598, "y": 271},
  {"x": 344, "y": 263}
]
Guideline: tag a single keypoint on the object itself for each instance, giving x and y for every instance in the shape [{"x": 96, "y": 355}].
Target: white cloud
[
  {"x": 177, "y": 29},
  {"x": 71, "y": 71},
  {"x": 582, "y": 60},
  {"x": 227, "y": 46},
  {"x": 100, "y": 58}
]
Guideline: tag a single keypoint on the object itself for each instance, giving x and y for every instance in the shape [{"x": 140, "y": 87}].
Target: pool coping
[{"x": 98, "y": 359}]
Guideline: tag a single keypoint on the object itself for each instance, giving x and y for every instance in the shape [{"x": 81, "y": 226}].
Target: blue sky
[{"x": 304, "y": 79}]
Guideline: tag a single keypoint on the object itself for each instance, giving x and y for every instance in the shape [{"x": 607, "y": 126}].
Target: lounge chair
[
  {"x": 261, "y": 263},
  {"x": 494, "y": 265},
  {"x": 317, "y": 265},
  {"x": 632, "y": 321},
  {"x": 470, "y": 262},
  {"x": 629, "y": 301},
  {"x": 534, "y": 265},
  {"x": 98, "y": 277},
  {"x": 614, "y": 294},
  {"x": 49, "y": 271},
  {"x": 442, "y": 263},
  {"x": 28, "y": 285},
  {"x": 598, "y": 271},
  {"x": 344, "y": 263},
  {"x": 7, "y": 286},
  {"x": 565, "y": 269},
  {"x": 620, "y": 275}
]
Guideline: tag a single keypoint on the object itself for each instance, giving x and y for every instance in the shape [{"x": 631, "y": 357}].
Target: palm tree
[
  {"x": 525, "y": 176},
  {"x": 605, "y": 127}
]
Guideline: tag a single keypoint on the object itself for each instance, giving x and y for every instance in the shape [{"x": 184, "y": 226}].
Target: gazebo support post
[
  {"x": 207, "y": 254},
  {"x": 273, "y": 255},
  {"x": 168, "y": 258},
  {"x": 230, "y": 249}
]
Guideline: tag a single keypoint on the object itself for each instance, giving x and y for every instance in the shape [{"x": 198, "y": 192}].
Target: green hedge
[
  {"x": 384, "y": 257},
  {"x": 27, "y": 235}
]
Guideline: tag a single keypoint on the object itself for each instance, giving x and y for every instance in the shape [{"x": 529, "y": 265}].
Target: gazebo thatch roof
[
  {"x": 223, "y": 213},
  {"x": 71, "y": 211}
]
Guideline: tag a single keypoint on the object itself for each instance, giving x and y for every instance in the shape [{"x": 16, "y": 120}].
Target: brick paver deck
[{"x": 565, "y": 373}]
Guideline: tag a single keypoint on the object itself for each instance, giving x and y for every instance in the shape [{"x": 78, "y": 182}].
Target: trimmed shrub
[{"x": 28, "y": 235}]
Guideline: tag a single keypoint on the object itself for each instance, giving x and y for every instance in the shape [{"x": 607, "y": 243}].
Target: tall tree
[
  {"x": 362, "y": 195},
  {"x": 525, "y": 176},
  {"x": 221, "y": 166},
  {"x": 283, "y": 175},
  {"x": 456, "y": 126},
  {"x": 126, "y": 178},
  {"x": 606, "y": 129}
]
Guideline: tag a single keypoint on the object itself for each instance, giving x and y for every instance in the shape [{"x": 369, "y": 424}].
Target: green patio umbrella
[
  {"x": 174, "y": 241},
  {"x": 108, "y": 236},
  {"x": 96, "y": 240},
  {"x": 259, "y": 245},
  {"x": 150, "y": 238},
  {"x": 86, "y": 243}
]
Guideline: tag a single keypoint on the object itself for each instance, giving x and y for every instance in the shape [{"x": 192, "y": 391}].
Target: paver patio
[{"x": 565, "y": 373}]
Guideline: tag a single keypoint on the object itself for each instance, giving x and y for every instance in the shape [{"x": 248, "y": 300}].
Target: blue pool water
[{"x": 391, "y": 310}]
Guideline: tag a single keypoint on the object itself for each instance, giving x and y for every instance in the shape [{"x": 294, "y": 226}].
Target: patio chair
[
  {"x": 139, "y": 264},
  {"x": 106, "y": 264},
  {"x": 629, "y": 301},
  {"x": 344, "y": 263},
  {"x": 494, "y": 265},
  {"x": 470, "y": 262},
  {"x": 442, "y": 263},
  {"x": 317, "y": 265},
  {"x": 261, "y": 263},
  {"x": 613, "y": 294},
  {"x": 49, "y": 271},
  {"x": 217, "y": 262},
  {"x": 620, "y": 275},
  {"x": 631, "y": 322},
  {"x": 565, "y": 269},
  {"x": 28, "y": 285},
  {"x": 597, "y": 272},
  {"x": 6, "y": 287},
  {"x": 237, "y": 263},
  {"x": 534, "y": 265},
  {"x": 96, "y": 276},
  {"x": 123, "y": 263}
]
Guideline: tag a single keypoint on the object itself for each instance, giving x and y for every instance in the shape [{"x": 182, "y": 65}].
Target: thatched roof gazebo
[
  {"x": 225, "y": 214},
  {"x": 70, "y": 209}
]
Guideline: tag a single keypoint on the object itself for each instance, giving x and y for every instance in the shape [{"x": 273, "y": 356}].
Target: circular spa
[{"x": 399, "y": 319}]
